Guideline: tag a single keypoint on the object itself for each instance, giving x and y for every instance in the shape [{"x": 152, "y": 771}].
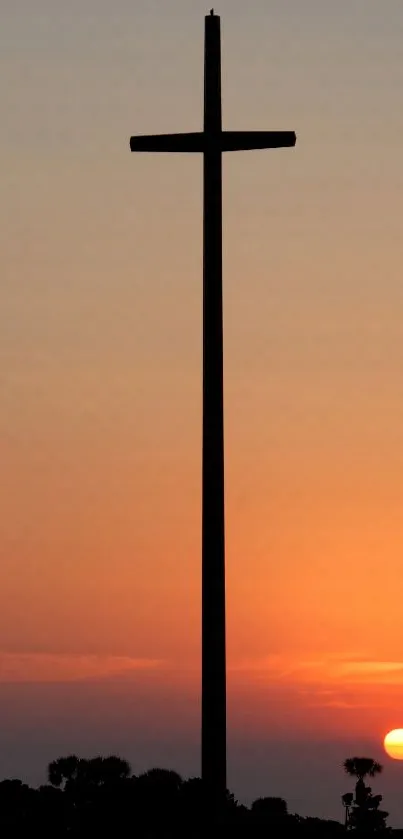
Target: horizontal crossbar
[
  {"x": 226, "y": 141},
  {"x": 248, "y": 140},
  {"x": 168, "y": 142}
]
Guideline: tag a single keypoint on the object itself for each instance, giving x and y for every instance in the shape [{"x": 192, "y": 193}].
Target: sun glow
[{"x": 393, "y": 744}]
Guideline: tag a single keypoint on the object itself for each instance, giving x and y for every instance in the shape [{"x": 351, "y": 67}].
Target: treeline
[{"x": 100, "y": 797}]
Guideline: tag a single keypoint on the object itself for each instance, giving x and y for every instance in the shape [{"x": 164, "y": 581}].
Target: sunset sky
[{"x": 100, "y": 365}]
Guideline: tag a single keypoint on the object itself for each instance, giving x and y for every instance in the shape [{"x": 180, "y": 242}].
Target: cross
[{"x": 211, "y": 143}]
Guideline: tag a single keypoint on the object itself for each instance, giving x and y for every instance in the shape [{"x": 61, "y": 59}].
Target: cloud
[
  {"x": 339, "y": 682},
  {"x": 381, "y": 672},
  {"x": 328, "y": 669},
  {"x": 50, "y": 667}
]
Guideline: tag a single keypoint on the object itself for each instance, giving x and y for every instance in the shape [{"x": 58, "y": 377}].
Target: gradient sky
[{"x": 100, "y": 365}]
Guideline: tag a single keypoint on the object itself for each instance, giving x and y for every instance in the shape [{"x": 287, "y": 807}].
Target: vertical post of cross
[{"x": 213, "y": 535}]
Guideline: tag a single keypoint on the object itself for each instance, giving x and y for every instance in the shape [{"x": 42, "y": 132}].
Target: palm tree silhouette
[
  {"x": 362, "y": 812},
  {"x": 361, "y": 767}
]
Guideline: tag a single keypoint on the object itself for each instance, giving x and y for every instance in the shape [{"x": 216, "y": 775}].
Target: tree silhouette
[
  {"x": 361, "y": 767},
  {"x": 16, "y": 801},
  {"x": 362, "y": 811},
  {"x": 164, "y": 786},
  {"x": 270, "y": 810},
  {"x": 163, "y": 780},
  {"x": 51, "y": 811},
  {"x": 67, "y": 772},
  {"x": 63, "y": 770},
  {"x": 95, "y": 789}
]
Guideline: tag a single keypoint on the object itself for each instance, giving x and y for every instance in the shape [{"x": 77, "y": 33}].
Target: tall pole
[
  {"x": 214, "y": 772},
  {"x": 211, "y": 142}
]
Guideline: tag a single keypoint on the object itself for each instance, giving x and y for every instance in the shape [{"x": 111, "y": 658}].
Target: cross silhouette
[{"x": 212, "y": 142}]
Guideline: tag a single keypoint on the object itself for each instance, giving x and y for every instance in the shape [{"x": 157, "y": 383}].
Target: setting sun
[{"x": 393, "y": 744}]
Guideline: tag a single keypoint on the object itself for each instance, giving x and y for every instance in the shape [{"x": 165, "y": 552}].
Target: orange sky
[{"x": 100, "y": 360}]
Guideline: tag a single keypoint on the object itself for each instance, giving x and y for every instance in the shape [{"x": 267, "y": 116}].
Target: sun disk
[{"x": 393, "y": 744}]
